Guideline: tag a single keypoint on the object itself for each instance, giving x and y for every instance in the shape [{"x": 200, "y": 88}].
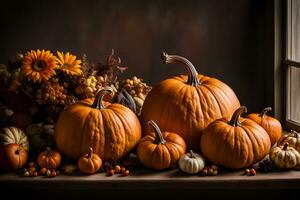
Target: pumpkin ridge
[
  {"x": 117, "y": 124},
  {"x": 222, "y": 94},
  {"x": 257, "y": 142},
  {"x": 124, "y": 121},
  {"x": 224, "y": 87},
  {"x": 108, "y": 131},
  {"x": 214, "y": 97},
  {"x": 83, "y": 136}
]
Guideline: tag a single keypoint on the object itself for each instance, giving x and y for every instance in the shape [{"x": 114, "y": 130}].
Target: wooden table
[{"x": 170, "y": 183}]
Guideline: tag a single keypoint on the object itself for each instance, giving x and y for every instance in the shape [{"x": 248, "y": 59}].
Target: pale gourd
[{"x": 191, "y": 163}]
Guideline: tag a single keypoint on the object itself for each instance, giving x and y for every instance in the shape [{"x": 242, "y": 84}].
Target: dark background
[{"x": 228, "y": 39}]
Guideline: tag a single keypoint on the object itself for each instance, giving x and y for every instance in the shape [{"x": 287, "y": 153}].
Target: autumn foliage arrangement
[{"x": 58, "y": 112}]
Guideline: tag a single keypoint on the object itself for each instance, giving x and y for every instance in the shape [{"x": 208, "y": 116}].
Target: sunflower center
[
  {"x": 66, "y": 65},
  {"x": 39, "y": 65}
]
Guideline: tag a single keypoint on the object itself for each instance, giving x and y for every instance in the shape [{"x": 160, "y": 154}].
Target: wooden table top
[{"x": 148, "y": 179}]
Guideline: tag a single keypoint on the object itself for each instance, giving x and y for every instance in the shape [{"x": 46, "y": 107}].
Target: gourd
[
  {"x": 191, "y": 163},
  {"x": 235, "y": 144},
  {"x": 270, "y": 124},
  {"x": 89, "y": 163},
  {"x": 111, "y": 129},
  {"x": 293, "y": 138},
  {"x": 13, "y": 135},
  {"x": 285, "y": 157},
  {"x": 160, "y": 150},
  {"x": 187, "y": 104}
]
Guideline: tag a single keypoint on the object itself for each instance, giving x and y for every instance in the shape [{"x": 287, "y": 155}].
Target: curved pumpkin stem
[
  {"x": 193, "y": 74},
  {"x": 90, "y": 155},
  {"x": 264, "y": 112},
  {"x": 159, "y": 139},
  {"x": 98, "y": 102},
  {"x": 236, "y": 115},
  {"x": 192, "y": 154}
]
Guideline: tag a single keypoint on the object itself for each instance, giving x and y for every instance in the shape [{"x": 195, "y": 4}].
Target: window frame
[{"x": 288, "y": 64}]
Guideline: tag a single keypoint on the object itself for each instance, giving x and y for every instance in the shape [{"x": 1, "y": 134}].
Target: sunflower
[
  {"x": 39, "y": 65},
  {"x": 68, "y": 63}
]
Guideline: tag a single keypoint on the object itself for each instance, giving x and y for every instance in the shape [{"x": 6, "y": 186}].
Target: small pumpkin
[
  {"x": 187, "y": 104},
  {"x": 111, "y": 129},
  {"x": 49, "y": 159},
  {"x": 89, "y": 163},
  {"x": 235, "y": 144},
  {"x": 13, "y": 135},
  {"x": 293, "y": 138},
  {"x": 270, "y": 124},
  {"x": 191, "y": 163},
  {"x": 160, "y": 150},
  {"x": 13, "y": 157},
  {"x": 285, "y": 157}
]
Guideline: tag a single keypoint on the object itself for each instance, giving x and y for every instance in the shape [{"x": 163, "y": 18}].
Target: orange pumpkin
[
  {"x": 235, "y": 144},
  {"x": 111, "y": 129},
  {"x": 187, "y": 104},
  {"x": 270, "y": 124},
  {"x": 49, "y": 159},
  {"x": 89, "y": 163},
  {"x": 160, "y": 150},
  {"x": 13, "y": 157}
]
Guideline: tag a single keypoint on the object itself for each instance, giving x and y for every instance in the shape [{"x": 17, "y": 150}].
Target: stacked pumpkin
[{"x": 14, "y": 148}]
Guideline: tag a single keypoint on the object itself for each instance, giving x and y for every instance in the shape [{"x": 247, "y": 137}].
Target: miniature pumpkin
[
  {"x": 13, "y": 157},
  {"x": 13, "y": 135},
  {"x": 160, "y": 150},
  {"x": 89, "y": 163},
  {"x": 285, "y": 157},
  {"x": 187, "y": 104},
  {"x": 49, "y": 159},
  {"x": 293, "y": 138},
  {"x": 235, "y": 144},
  {"x": 270, "y": 124},
  {"x": 191, "y": 163},
  {"x": 111, "y": 129}
]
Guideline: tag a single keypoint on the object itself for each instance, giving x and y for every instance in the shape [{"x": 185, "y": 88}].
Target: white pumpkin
[
  {"x": 285, "y": 157},
  {"x": 191, "y": 163},
  {"x": 13, "y": 135}
]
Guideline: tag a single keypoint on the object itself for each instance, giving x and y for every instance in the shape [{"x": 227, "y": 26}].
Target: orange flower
[
  {"x": 39, "y": 65},
  {"x": 68, "y": 63}
]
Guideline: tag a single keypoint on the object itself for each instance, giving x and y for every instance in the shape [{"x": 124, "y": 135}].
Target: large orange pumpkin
[
  {"x": 270, "y": 124},
  {"x": 111, "y": 129},
  {"x": 187, "y": 104},
  {"x": 235, "y": 144}
]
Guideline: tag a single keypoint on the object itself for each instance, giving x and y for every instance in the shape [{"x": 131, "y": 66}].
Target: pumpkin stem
[
  {"x": 90, "y": 155},
  {"x": 192, "y": 154},
  {"x": 193, "y": 74},
  {"x": 295, "y": 133},
  {"x": 98, "y": 102},
  {"x": 236, "y": 115},
  {"x": 159, "y": 139},
  {"x": 285, "y": 146},
  {"x": 264, "y": 112}
]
